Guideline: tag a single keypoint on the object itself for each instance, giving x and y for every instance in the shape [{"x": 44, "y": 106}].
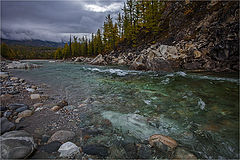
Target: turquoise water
[{"x": 199, "y": 110}]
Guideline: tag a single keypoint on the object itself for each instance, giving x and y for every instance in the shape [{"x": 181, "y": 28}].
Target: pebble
[
  {"x": 61, "y": 136},
  {"x": 25, "y": 113},
  {"x": 30, "y": 89},
  {"x": 21, "y": 109},
  {"x": 55, "y": 108},
  {"x": 36, "y": 105},
  {"x": 35, "y": 96}
]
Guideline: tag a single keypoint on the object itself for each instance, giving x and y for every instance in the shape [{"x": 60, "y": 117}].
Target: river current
[{"x": 199, "y": 110}]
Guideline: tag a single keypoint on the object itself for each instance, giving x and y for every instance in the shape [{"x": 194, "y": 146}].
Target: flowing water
[{"x": 199, "y": 110}]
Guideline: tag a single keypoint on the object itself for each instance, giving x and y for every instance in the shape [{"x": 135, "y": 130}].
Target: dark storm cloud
[{"x": 54, "y": 20}]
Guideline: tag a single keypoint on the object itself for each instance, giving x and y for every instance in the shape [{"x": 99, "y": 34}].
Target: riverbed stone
[
  {"x": 36, "y": 105},
  {"x": 30, "y": 89},
  {"x": 7, "y": 114},
  {"x": 50, "y": 147},
  {"x": 62, "y": 136},
  {"x": 16, "y": 106},
  {"x": 3, "y": 108},
  {"x": 3, "y": 74},
  {"x": 25, "y": 113},
  {"x": 56, "y": 108},
  {"x": 13, "y": 78},
  {"x": 6, "y": 125},
  {"x": 96, "y": 149},
  {"x": 16, "y": 145},
  {"x": 21, "y": 109},
  {"x": 62, "y": 103},
  {"x": 159, "y": 141},
  {"x": 68, "y": 150},
  {"x": 35, "y": 96}
]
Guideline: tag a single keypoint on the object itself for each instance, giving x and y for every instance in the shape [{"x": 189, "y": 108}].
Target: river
[{"x": 199, "y": 110}]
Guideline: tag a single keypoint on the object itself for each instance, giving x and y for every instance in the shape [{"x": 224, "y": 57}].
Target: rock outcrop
[{"x": 200, "y": 35}]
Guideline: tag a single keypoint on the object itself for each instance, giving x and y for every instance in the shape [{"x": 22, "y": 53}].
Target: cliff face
[{"x": 195, "y": 36}]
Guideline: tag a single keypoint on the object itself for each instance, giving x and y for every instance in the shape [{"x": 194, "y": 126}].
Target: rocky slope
[{"x": 196, "y": 36}]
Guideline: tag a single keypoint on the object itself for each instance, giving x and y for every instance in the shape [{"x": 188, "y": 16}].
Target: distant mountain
[{"x": 35, "y": 43}]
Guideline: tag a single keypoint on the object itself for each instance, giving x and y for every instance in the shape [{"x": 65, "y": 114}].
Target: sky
[{"x": 54, "y": 20}]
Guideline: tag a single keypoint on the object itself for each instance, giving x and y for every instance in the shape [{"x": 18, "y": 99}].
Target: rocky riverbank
[
  {"x": 196, "y": 36},
  {"x": 37, "y": 125}
]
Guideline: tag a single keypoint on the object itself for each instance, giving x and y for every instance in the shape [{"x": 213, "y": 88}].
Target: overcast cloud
[{"x": 54, "y": 20}]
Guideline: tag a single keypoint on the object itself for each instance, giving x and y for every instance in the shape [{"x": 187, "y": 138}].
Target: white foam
[
  {"x": 118, "y": 72},
  {"x": 201, "y": 104},
  {"x": 148, "y": 102}
]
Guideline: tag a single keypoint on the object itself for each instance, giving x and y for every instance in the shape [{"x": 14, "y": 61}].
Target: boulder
[
  {"x": 159, "y": 141},
  {"x": 99, "y": 60},
  {"x": 50, "y": 147},
  {"x": 3, "y": 74},
  {"x": 35, "y": 96},
  {"x": 16, "y": 145},
  {"x": 61, "y": 136},
  {"x": 25, "y": 113},
  {"x": 121, "y": 62},
  {"x": 6, "y": 125},
  {"x": 96, "y": 149},
  {"x": 68, "y": 150},
  {"x": 138, "y": 63}
]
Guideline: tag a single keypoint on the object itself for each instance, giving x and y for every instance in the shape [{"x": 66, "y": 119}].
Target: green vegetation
[
  {"x": 27, "y": 52},
  {"x": 139, "y": 17}
]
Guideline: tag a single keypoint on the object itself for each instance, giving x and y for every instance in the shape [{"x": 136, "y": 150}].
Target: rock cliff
[{"x": 196, "y": 36}]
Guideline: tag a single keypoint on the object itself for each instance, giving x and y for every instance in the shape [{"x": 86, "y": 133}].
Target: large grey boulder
[
  {"x": 16, "y": 145},
  {"x": 99, "y": 60},
  {"x": 68, "y": 150},
  {"x": 6, "y": 125}
]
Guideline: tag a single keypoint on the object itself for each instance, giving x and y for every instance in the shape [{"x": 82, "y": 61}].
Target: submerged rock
[
  {"x": 96, "y": 149},
  {"x": 61, "y": 136},
  {"x": 16, "y": 145},
  {"x": 50, "y": 147},
  {"x": 158, "y": 140},
  {"x": 181, "y": 153},
  {"x": 6, "y": 125},
  {"x": 68, "y": 150}
]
